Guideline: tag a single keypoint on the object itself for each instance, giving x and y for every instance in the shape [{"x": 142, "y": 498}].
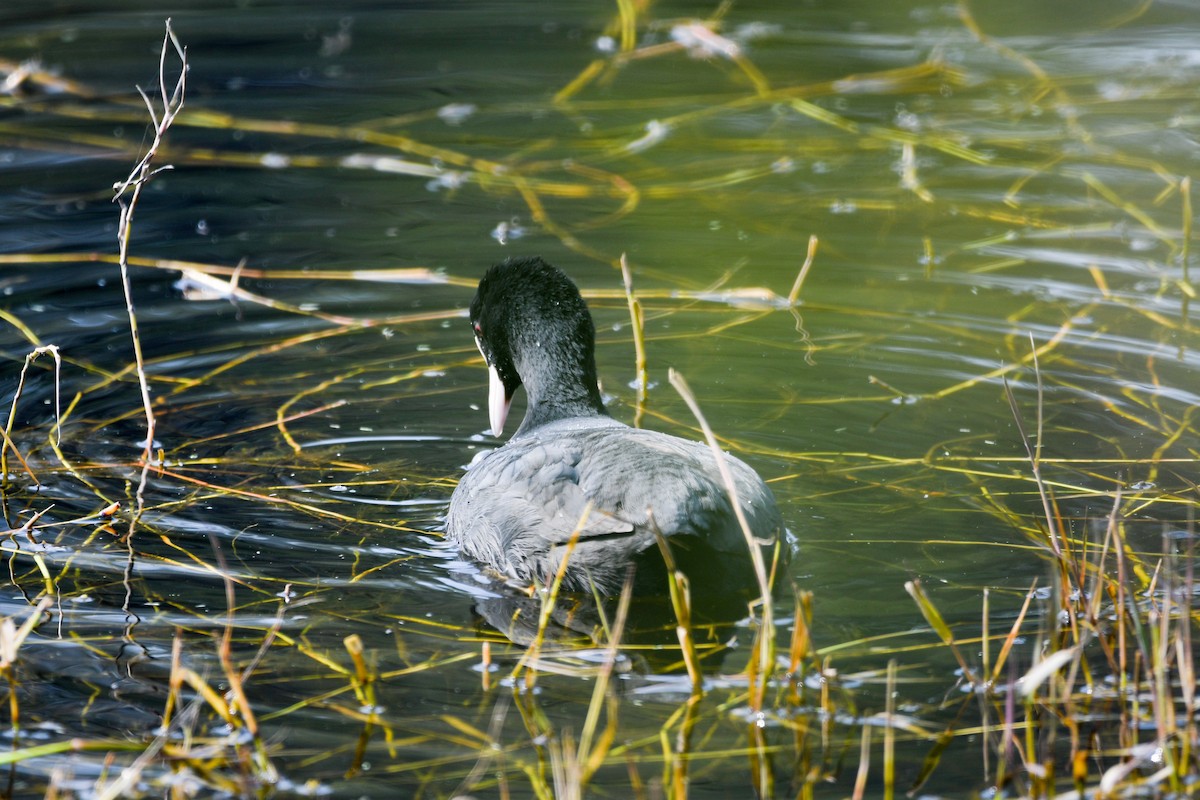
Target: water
[{"x": 1017, "y": 192}]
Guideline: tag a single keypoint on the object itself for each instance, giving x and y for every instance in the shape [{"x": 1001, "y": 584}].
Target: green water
[{"x": 982, "y": 182}]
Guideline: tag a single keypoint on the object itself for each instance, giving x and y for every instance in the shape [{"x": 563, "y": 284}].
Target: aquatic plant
[{"x": 1076, "y": 678}]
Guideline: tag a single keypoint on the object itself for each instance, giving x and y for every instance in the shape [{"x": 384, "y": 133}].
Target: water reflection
[{"x": 998, "y": 198}]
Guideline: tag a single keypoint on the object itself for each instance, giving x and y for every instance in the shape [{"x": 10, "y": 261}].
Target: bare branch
[{"x": 132, "y": 186}]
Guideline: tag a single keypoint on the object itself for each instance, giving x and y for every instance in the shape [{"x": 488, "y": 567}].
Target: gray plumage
[{"x": 517, "y": 506}]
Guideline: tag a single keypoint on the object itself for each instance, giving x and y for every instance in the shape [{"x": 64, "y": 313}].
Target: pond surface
[{"x": 999, "y": 195}]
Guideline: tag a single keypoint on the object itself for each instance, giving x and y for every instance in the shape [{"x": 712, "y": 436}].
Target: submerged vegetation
[{"x": 152, "y": 652}]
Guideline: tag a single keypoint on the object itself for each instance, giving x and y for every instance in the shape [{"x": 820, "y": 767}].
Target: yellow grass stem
[
  {"x": 174, "y": 681},
  {"x": 889, "y": 734},
  {"x": 1013, "y": 633},
  {"x": 1034, "y": 453},
  {"x": 864, "y": 764},
  {"x": 801, "y": 647},
  {"x": 1065, "y": 105},
  {"x": 594, "y": 748},
  {"x": 936, "y": 621},
  {"x": 763, "y": 655},
  {"x": 1129, "y": 208},
  {"x": 1185, "y": 246},
  {"x": 627, "y": 10},
  {"x": 73, "y": 745},
  {"x": 908, "y": 173},
  {"x": 681, "y": 602},
  {"x": 12, "y": 413},
  {"x": 264, "y": 497},
  {"x": 794, "y": 295},
  {"x": 549, "y": 597},
  {"x": 1048, "y": 346},
  {"x": 364, "y": 680},
  {"x": 637, "y": 320},
  {"x": 210, "y": 695},
  {"x": 580, "y": 81}
]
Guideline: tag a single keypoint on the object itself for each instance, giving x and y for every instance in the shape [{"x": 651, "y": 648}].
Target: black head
[{"x": 534, "y": 329}]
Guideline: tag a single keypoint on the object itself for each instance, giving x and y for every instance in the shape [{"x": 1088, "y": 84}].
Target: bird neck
[{"x": 559, "y": 388}]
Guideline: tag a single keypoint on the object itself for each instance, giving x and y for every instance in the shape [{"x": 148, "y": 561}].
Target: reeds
[
  {"x": 1113, "y": 640},
  {"x": 1075, "y": 677}
]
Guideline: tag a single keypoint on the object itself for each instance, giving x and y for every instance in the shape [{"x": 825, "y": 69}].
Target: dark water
[{"x": 1021, "y": 191}]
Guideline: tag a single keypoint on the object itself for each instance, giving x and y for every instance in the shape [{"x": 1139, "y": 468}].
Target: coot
[{"x": 517, "y": 507}]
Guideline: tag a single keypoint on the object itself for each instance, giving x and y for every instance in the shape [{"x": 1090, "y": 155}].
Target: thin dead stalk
[
  {"x": 764, "y": 650},
  {"x": 12, "y": 411},
  {"x": 1035, "y": 452},
  {"x": 126, "y": 195}
]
